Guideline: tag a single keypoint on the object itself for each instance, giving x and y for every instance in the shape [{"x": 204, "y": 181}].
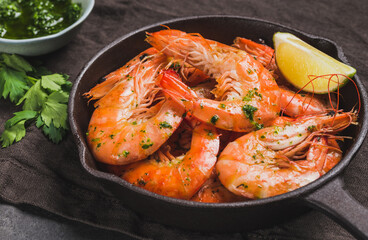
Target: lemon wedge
[{"x": 299, "y": 62}]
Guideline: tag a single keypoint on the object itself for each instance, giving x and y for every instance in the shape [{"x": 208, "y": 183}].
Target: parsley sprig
[{"x": 44, "y": 97}]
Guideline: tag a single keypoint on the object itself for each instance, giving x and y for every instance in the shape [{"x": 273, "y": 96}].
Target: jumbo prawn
[
  {"x": 133, "y": 120},
  {"x": 246, "y": 93},
  {"x": 291, "y": 104},
  {"x": 269, "y": 162},
  {"x": 181, "y": 176}
]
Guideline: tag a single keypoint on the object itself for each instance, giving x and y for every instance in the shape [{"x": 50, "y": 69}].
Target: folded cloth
[{"x": 49, "y": 176}]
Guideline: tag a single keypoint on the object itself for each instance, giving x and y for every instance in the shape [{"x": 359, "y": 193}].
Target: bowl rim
[
  {"x": 85, "y": 14},
  {"x": 295, "y": 194}
]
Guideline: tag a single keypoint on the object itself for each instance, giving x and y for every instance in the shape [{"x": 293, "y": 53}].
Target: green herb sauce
[{"x": 22, "y": 19}]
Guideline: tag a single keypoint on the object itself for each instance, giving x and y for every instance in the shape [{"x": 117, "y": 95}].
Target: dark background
[{"x": 45, "y": 193}]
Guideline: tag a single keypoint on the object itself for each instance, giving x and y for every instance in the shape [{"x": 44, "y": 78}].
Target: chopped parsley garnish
[
  {"x": 249, "y": 110},
  {"x": 124, "y": 153},
  {"x": 165, "y": 124},
  {"x": 251, "y": 93},
  {"x": 258, "y": 126},
  {"x": 141, "y": 182},
  {"x": 242, "y": 185},
  {"x": 146, "y": 144},
  {"x": 214, "y": 119}
]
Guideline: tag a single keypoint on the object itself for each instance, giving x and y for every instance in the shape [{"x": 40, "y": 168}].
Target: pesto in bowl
[
  {"x": 21, "y": 19},
  {"x": 51, "y": 35}
]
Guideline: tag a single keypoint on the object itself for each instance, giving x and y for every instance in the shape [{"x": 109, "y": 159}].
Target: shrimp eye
[
  {"x": 101, "y": 80},
  {"x": 331, "y": 113},
  {"x": 143, "y": 56}
]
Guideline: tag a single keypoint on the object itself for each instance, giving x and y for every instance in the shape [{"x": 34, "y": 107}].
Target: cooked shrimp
[
  {"x": 291, "y": 104},
  {"x": 127, "y": 125},
  {"x": 121, "y": 74},
  {"x": 246, "y": 94},
  {"x": 260, "y": 52},
  {"x": 263, "y": 163},
  {"x": 182, "y": 176},
  {"x": 212, "y": 191}
]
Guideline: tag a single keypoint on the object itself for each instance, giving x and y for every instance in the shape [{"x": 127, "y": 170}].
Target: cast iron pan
[{"x": 326, "y": 194}]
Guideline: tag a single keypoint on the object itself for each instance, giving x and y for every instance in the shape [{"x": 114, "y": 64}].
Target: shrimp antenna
[
  {"x": 330, "y": 79},
  {"x": 165, "y": 26},
  {"x": 310, "y": 101}
]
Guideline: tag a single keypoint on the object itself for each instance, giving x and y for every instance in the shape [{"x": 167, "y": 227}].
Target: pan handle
[{"x": 333, "y": 200}]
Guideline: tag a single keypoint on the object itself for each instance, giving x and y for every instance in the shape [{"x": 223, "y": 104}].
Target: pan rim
[{"x": 295, "y": 194}]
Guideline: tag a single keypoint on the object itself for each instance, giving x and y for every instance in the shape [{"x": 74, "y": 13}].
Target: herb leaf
[
  {"x": 55, "y": 134},
  {"x": 14, "y": 127},
  {"x": 34, "y": 98},
  {"x": 39, "y": 122},
  {"x": 12, "y": 84},
  {"x": 19, "y": 116},
  {"x": 16, "y": 62},
  {"x": 14, "y": 133},
  {"x": 55, "y": 110},
  {"x": 53, "y": 82}
]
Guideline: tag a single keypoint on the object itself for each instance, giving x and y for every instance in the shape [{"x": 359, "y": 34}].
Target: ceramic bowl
[{"x": 46, "y": 44}]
